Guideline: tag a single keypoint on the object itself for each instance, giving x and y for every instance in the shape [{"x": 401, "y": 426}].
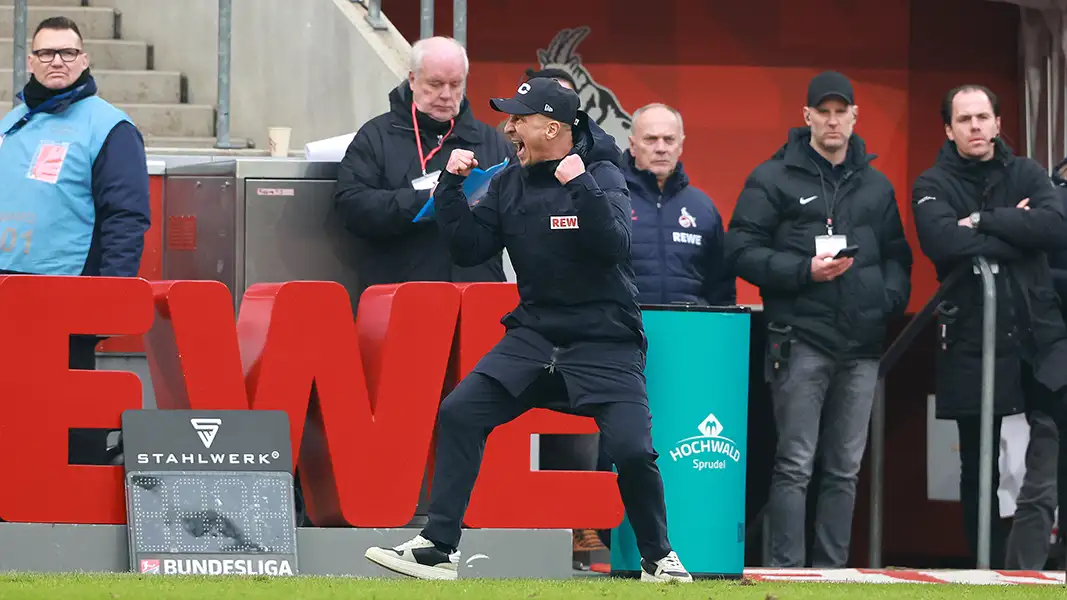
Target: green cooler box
[{"x": 697, "y": 374}]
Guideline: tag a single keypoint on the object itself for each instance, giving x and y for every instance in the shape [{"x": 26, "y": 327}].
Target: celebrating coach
[{"x": 575, "y": 343}]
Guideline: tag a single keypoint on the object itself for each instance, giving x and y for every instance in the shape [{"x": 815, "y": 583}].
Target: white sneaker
[
  {"x": 666, "y": 569},
  {"x": 417, "y": 558}
]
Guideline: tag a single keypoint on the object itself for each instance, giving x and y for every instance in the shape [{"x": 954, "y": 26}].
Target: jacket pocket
[
  {"x": 947, "y": 314},
  {"x": 780, "y": 340}
]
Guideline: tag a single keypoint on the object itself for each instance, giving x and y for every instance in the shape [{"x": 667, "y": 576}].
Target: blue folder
[{"x": 474, "y": 188}]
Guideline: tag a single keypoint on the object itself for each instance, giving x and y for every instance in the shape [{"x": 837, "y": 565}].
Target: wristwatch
[{"x": 975, "y": 217}]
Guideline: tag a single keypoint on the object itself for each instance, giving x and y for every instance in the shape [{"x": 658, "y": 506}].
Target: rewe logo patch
[
  {"x": 680, "y": 237},
  {"x": 563, "y": 222},
  {"x": 206, "y": 429}
]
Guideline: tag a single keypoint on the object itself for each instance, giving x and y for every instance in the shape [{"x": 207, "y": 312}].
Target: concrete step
[
  {"x": 97, "y": 23},
  {"x": 170, "y": 142},
  {"x": 119, "y": 87},
  {"x": 103, "y": 54},
  {"x": 165, "y": 120},
  {"x": 173, "y": 120}
]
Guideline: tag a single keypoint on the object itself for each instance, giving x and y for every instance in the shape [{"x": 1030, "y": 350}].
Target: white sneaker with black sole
[
  {"x": 665, "y": 570},
  {"x": 417, "y": 558}
]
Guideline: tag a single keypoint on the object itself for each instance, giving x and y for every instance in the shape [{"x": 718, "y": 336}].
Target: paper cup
[{"x": 278, "y": 140}]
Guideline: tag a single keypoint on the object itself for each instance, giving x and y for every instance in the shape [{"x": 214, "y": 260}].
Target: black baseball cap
[
  {"x": 829, "y": 84},
  {"x": 541, "y": 96}
]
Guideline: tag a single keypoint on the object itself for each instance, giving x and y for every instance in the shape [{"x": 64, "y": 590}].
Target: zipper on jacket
[
  {"x": 662, "y": 252},
  {"x": 844, "y": 315},
  {"x": 837, "y": 188},
  {"x": 551, "y": 366}
]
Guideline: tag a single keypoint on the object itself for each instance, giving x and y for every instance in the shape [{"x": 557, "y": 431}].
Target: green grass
[{"x": 129, "y": 587}]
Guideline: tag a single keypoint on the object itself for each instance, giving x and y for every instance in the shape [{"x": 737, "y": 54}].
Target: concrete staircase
[{"x": 155, "y": 100}]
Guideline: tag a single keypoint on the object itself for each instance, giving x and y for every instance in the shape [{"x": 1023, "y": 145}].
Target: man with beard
[
  {"x": 818, "y": 230},
  {"x": 575, "y": 343},
  {"x": 980, "y": 200},
  {"x": 393, "y": 162}
]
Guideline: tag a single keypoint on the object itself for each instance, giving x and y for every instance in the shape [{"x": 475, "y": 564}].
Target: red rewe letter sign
[
  {"x": 43, "y": 399},
  {"x": 508, "y": 494},
  {"x": 362, "y": 408}
]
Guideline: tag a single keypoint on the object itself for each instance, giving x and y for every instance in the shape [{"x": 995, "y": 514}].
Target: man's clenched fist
[
  {"x": 569, "y": 168},
  {"x": 460, "y": 162}
]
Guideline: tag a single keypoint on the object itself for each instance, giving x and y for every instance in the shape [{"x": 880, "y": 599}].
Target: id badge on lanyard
[
  {"x": 830, "y": 243},
  {"x": 428, "y": 180}
]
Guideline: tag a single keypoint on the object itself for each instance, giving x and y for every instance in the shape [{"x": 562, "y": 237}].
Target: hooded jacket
[
  {"x": 377, "y": 203},
  {"x": 785, "y": 204},
  {"x": 569, "y": 244},
  {"x": 1030, "y": 325},
  {"x": 677, "y": 241}
]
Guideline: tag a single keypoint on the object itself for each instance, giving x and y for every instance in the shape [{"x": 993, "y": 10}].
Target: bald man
[
  {"x": 677, "y": 231},
  {"x": 393, "y": 162}
]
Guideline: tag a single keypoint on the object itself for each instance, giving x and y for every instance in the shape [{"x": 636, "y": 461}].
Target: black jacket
[
  {"x": 677, "y": 241},
  {"x": 575, "y": 278},
  {"x": 1057, "y": 260},
  {"x": 377, "y": 202},
  {"x": 1030, "y": 325},
  {"x": 771, "y": 240}
]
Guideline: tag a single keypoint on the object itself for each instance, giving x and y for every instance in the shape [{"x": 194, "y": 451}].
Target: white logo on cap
[
  {"x": 524, "y": 88},
  {"x": 548, "y": 108}
]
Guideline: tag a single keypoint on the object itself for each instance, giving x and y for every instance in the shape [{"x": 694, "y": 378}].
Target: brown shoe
[{"x": 587, "y": 540}]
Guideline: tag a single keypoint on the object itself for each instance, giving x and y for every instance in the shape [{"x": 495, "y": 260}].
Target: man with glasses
[{"x": 75, "y": 185}]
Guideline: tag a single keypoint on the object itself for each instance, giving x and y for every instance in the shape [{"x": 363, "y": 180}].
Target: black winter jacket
[
  {"x": 570, "y": 245},
  {"x": 1030, "y": 325},
  {"x": 771, "y": 240},
  {"x": 1057, "y": 260},
  {"x": 377, "y": 202},
  {"x": 677, "y": 241}
]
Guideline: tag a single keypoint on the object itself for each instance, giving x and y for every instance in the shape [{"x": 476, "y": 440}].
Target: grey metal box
[{"x": 255, "y": 220}]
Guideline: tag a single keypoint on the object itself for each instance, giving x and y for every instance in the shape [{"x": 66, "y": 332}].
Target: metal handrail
[
  {"x": 888, "y": 361},
  {"x": 985, "y": 466},
  {"x": 893, "y": 354},
  {"x": 19, "y": 35},
  {"x": 426, "y": 13},
  {"x": 222, "y": 107}
]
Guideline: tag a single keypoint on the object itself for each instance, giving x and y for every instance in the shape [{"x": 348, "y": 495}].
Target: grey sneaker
[
  {"x": 417, "y": 558},
  {"x": 664, "y": 570}
]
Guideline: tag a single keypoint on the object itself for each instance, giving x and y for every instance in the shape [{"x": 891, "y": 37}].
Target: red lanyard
[{"x": 418, "y": 139}]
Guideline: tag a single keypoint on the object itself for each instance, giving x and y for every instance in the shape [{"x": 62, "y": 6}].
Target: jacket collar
[
  {"x": 647, "y": 182},
  {"x": 795, "y": 152},
  {"x": 400, "y": 99}
]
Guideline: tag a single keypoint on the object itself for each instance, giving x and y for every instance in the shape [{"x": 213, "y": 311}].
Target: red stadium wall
[{"x": 738, "y": 72}]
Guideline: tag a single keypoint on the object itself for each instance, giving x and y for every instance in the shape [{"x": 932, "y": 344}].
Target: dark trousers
[
  {"x": 970, "y": 459},
  {"x": 480, "y": 403},
  {"x": 1035, "y": 509},
  {"x": 86, "y": 446},
  {"x": 1045, "y": 482}
]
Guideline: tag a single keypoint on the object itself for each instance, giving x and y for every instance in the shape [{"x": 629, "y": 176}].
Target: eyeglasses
[{"x": 47, "y": 55}]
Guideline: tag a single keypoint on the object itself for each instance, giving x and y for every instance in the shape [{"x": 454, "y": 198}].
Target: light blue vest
[{"x": 47, "y": 212}]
